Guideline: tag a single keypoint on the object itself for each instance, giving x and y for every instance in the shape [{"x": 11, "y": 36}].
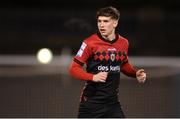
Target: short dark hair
[{"x": 108, "y": 12}]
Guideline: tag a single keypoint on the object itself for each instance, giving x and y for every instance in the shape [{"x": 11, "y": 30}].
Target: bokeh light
[{"x": 44, "y": 55}]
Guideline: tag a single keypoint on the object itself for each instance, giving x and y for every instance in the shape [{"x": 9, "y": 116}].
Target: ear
[{"x": 115, "y": 23}]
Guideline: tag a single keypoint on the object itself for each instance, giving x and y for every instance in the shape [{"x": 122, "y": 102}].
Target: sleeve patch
[{"x": 81, "y": 50}]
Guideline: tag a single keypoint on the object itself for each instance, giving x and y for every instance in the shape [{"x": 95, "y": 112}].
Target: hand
[
  {"x": 141, "y": 76},
  {"x": 100, "y": 77}
]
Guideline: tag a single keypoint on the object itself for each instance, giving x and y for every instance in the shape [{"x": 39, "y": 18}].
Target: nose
[{"x": 101, "y": 24}]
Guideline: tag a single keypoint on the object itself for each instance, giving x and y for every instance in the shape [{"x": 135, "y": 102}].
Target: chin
[{"x": 104, "y": 34}]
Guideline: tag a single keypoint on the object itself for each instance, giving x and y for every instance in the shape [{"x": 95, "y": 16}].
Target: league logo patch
[{"x": 81, "y": 50}]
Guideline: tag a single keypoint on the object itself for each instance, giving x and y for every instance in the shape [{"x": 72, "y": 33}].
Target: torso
[{"x": 103, "y": 56}]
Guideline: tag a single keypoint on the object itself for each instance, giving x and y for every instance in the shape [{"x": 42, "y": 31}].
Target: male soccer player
[{"x": 105, "y": 55}]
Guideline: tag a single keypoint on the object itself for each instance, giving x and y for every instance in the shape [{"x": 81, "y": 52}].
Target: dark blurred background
[
  {"x": 151, "y": 26},
  {"x": 31, "y": 89}
]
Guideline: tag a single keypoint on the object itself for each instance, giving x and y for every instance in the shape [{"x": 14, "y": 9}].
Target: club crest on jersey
[{"x": 112, "y": 57}]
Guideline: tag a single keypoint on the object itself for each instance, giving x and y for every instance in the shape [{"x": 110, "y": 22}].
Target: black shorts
[{"x": 90, "y": 110}]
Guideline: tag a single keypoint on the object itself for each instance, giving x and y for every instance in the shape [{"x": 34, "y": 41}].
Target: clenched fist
[{"x": 141, "y": 76}]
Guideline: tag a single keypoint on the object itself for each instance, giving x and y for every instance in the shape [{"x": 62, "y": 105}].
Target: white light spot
[{"x": 44, "y": 55}]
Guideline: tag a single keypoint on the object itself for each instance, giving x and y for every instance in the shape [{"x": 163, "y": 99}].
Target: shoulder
[
  {"x": 89, "y": 41},
  {"x": 91, "y": 38},
  {"x": 123, "y": 39}
]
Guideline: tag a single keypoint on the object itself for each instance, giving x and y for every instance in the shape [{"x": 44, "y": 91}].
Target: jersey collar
[{"x": 111, "y": 42}]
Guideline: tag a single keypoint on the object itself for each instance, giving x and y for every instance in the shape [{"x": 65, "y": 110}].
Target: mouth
[{"x": 102, "y": 30}]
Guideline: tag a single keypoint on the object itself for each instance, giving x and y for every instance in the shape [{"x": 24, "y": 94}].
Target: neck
[{"x": 110, "y": 37}]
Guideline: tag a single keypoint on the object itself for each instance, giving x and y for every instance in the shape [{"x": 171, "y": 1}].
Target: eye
[
  {"x": 99, "y": 21},
  {"x": 105, "y": 20}
]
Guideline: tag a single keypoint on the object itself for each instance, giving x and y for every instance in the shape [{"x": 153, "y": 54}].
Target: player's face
[{"x": 106, "y": 25}]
